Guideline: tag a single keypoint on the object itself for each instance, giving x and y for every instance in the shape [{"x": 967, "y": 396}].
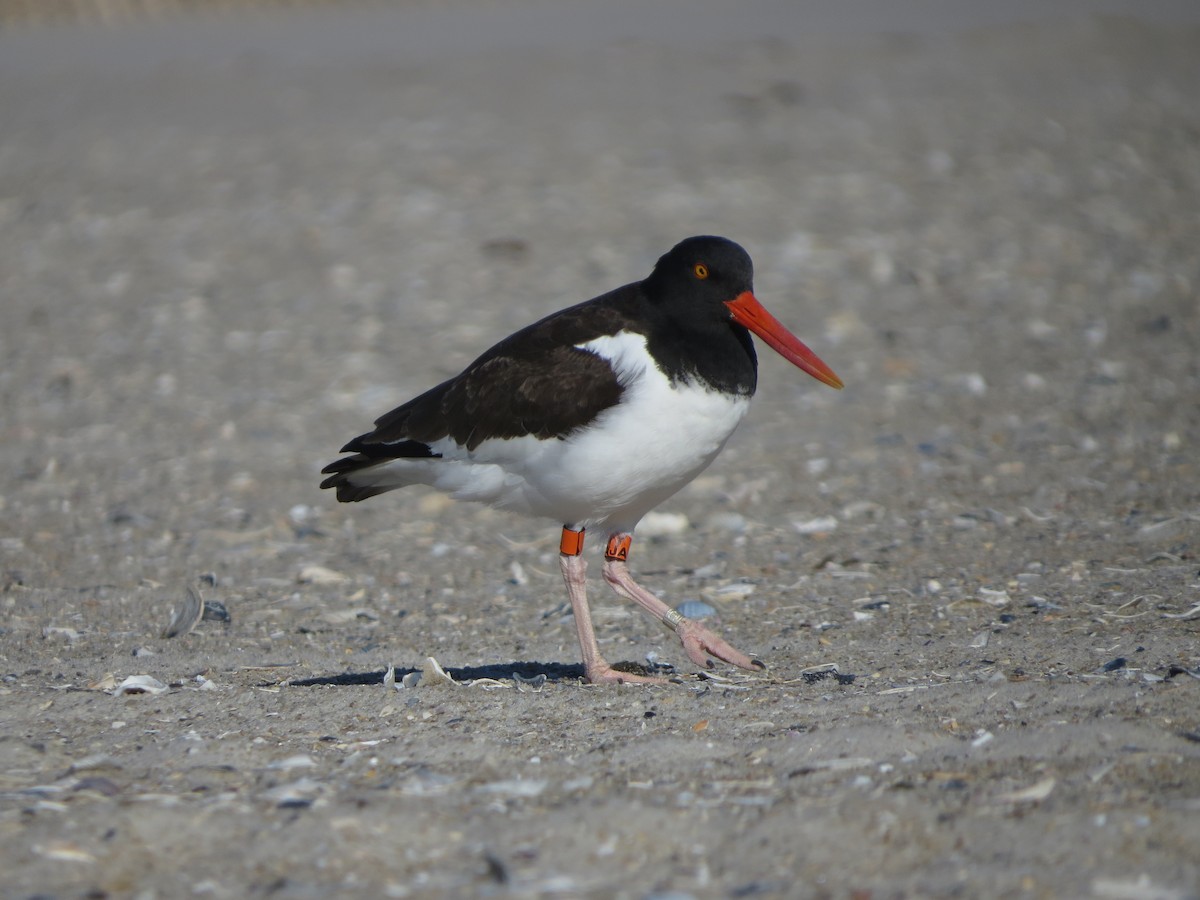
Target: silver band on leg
[{"x": 673, "y": 619}]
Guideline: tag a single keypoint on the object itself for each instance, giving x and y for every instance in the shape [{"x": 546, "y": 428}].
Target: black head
[
  {"x": 687, "y": 297},
  {"x": 702, "y": 270},
  {"x": 706, "y": 284}
]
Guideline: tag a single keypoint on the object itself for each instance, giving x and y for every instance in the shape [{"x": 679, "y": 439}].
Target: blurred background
[{"x": 234, "y": 233}]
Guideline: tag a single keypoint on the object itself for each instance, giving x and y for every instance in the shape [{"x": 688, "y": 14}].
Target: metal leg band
[{"x": 673, "y": 619}]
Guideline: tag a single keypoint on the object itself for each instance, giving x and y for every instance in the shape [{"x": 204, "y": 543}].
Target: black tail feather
[{"x": 341, "y": 471}]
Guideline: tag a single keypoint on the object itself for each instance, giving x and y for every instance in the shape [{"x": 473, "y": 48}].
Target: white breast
[{"x": 637, "y": 453}]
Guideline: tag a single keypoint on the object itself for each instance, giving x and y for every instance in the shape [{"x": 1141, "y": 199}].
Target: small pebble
[
  {"x": 516, "y": 573},
  {"x": 662, "y": 524},
  {"x": 818, "y": 466},
  {"x": 300, "y": 513},
  {"x": 735, "y": 591},
  {"x": 695, "y": 609},
  {"x": 319, "y": 575},
  {"x": 994, "y": 598},
  {"x": 727, "y": 521},
  {"x": 299, "y": 761},
  {"x": 816, "y": 526},
  {"x": 712, "y": 570}
]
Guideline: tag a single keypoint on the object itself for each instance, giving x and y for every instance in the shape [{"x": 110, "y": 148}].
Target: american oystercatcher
[{"x": 592, "y": 417}]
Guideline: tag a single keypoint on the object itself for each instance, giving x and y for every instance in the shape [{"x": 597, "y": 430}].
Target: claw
[{"x": 699, "y": 643}]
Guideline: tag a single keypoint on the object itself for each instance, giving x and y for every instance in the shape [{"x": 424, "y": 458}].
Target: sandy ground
[{"x": 222, "y": 259}]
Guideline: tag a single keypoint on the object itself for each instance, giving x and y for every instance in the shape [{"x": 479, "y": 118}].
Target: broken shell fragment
[
  {"x": 1032, "y": 794},
  {"x": 321, "y": 576},
  {"x": 298, "y": 794},
  {"x": 139, "y": 684},
  {"x": 531, "y": 685},
  {"x": 216, "y": 612},
  {"x": 432, "y": 673},
  {"x": 105, "y": 682},
  {"x": 187, "y": 616}
]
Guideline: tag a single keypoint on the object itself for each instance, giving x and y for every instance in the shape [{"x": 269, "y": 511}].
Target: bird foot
[
  {"x": 603, "y": 673},
  {"x": 699, "y": 643}
]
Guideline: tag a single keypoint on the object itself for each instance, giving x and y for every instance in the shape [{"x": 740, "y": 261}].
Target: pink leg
[
  {"x": 698, "y": 642},
  {"x": 574, "y": 571}
]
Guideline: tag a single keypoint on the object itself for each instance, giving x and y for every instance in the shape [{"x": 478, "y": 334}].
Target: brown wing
[
  {"x": 500, "y": 397},
  {"x": 536, "y": 382}
]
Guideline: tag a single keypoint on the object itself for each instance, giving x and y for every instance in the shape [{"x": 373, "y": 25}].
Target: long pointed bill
[{"x": 748, "y": 312}]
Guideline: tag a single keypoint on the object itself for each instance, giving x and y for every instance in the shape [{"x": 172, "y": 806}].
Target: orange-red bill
[{"x": 748, "y": 312}]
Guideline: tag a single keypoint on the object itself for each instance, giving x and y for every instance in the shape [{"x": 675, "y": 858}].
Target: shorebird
[{"x": 592, "y": 417}]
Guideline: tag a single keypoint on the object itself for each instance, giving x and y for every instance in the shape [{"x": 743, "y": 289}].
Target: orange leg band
[
  {"x": 571, "y": 543},
  {"x": 618, "y": 547}
]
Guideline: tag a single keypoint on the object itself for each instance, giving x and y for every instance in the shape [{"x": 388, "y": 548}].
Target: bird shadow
[{"x": 498, "y": 672}]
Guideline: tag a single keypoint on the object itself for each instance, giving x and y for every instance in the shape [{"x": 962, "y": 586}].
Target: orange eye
[{"x": 701, "y": 270}]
